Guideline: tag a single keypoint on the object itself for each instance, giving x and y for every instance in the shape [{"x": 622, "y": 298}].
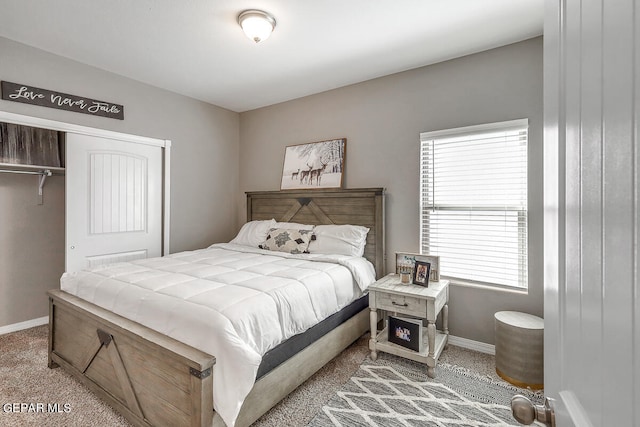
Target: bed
[{"x": 153, "y": 379}]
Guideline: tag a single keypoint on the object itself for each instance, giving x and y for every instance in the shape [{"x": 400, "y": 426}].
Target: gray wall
[
  {"x": 382, "y": 120},
  {"x": 204, "y": 178}
]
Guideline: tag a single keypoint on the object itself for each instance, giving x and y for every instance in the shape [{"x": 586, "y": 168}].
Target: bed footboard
[{"x": 149, "y": 378}]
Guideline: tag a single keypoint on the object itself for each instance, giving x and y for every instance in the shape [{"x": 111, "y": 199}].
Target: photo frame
[
  {"x": 405, "y": 263},
  {"x": 314, "y": 165},
  {"x": 405, "y": 332},
  {"x": 421, "y": 273}
]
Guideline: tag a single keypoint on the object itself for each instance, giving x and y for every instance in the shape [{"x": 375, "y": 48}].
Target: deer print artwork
[{"x": 314, "y": 165}]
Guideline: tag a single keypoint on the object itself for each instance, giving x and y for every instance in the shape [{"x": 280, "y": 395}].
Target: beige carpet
[{"x": 25, "y": 379}]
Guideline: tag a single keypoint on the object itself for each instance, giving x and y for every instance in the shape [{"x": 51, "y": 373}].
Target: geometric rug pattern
[{"x": 394, "y": 392}]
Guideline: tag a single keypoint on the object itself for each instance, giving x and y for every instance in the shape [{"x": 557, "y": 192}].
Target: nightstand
[{"x": 391, "y": 295}]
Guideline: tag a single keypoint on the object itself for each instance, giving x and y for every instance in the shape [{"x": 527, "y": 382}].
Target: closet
[
  {"x": 73, "y": 197},
  {"x": 32, "y": 222}
]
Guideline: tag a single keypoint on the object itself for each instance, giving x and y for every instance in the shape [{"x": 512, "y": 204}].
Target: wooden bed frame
[{"x": 154, "y": 380}]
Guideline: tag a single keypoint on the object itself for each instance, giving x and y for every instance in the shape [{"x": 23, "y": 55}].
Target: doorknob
[{"x": 525, "y": 412}]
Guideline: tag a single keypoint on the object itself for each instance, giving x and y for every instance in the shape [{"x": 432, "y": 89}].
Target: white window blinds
[{"x": 473, "y": 202}]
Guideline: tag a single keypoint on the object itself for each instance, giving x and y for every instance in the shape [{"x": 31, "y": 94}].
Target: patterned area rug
[{"x": 396, "y": 392}]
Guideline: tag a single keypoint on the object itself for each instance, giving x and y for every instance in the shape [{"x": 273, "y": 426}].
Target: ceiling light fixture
[{"x": 256, "y": 24}]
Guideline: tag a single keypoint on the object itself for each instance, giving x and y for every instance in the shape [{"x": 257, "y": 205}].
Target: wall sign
[{"x": 61, "y": 101}]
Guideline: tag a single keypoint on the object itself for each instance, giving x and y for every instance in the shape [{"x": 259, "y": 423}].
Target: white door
[
  {"x": 592, "y": 297},
  {"x": 113, "y": 201}
]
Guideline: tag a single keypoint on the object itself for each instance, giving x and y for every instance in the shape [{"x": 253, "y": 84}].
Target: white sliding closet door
[{"x": 113, "y": 201}]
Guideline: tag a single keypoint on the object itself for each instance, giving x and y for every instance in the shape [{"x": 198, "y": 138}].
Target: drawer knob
[{"x": 400, "y": 305}]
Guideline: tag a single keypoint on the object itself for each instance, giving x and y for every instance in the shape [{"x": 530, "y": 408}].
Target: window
[{"x": 473, "y": 202}]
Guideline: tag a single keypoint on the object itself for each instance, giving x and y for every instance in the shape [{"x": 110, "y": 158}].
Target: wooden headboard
[{"x": 357, "y": 206}]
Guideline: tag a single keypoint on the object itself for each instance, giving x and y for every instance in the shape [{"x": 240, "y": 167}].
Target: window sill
[{"x": 496, "y": 288}]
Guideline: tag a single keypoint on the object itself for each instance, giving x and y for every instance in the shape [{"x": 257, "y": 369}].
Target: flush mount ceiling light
[{"x": 256, "y": 24}]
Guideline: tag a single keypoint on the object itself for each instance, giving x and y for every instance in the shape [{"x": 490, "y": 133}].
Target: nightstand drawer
[{"x": 401, "y": 304}]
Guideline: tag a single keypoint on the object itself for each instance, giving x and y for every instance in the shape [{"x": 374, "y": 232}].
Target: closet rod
[
  {"x": 43, "y": 176},
  {"x": 46, "y": 172}
]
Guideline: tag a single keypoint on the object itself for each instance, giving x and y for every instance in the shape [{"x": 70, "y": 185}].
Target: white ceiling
[{"x": 196, "y": 47}]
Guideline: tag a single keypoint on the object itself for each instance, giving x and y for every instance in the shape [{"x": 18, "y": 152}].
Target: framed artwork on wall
[{"x": 314, "y": 165}]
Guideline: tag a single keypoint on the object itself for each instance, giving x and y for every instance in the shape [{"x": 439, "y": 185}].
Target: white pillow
[
  {"x": 293, "y": 226},
  {"x": 254, "y": 232},
  {"x": 339, "y": 239}
]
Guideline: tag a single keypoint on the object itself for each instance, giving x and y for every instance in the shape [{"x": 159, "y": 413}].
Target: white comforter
[{"x": 231, "y": 301}]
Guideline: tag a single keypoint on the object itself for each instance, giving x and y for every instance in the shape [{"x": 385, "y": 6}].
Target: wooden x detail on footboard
[{"x": 149, "y": 378}]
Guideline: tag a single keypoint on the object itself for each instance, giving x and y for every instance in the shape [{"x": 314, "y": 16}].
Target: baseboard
[
  {"x": 453, "y": 340},
  {"x": 24, "y": 325},
  {"x": 472, "y": 345}
]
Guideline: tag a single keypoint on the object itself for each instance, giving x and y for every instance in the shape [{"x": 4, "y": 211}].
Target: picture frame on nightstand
[
  {"x": 405, "y": 262},
  {"x": 421, "y": 272},
  {"x": 405, "y": 332}
]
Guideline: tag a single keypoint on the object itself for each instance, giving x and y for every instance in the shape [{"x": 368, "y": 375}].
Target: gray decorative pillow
[{"x": 288, "y": 240}]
